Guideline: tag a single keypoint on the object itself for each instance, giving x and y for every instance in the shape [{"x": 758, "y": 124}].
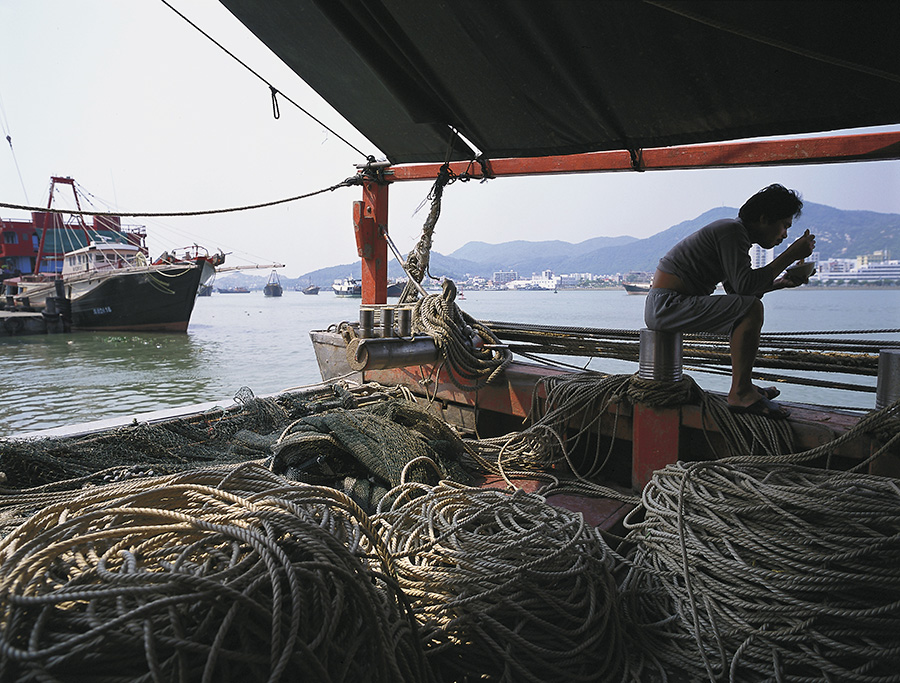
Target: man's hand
[
  {"x": 803, "y": 246},
  {"x": 794, "y": 279}
]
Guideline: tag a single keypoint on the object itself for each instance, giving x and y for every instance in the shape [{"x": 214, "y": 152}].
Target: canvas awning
[{"x": 524, "y": 78}]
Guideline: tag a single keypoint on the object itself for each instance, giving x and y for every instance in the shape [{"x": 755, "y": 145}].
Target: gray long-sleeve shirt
[{"x": 718, "y": 252}]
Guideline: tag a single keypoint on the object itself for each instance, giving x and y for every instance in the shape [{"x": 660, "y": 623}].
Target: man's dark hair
[{"x": 775, "y": 202}]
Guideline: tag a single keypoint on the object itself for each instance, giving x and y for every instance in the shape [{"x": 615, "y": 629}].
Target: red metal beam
[
  {"x": 794, "y": 151},
  {"x": 370, "y": 220}
]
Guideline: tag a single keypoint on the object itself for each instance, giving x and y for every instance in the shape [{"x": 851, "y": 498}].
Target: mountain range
[{"x": 839, "y": 234}]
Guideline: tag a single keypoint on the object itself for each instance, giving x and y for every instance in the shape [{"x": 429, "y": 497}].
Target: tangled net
[
  {"x": 505, "y": 586},
  {"x": 768, "y": 573},
  {"x": 242, "y": 432},
  {"x": 372, "y": 449},
  {"x": 207, "y": 576}
]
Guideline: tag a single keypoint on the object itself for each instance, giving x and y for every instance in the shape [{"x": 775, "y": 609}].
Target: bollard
[
  {"x": 660, "y": 356},
  {"x": 387, "y": 322},
  {"x": 404, "y": 321},
  {"x": 366, "y": 322},
  {"x": 888, "y": 389},
  {"x": 656, "y": 432}
]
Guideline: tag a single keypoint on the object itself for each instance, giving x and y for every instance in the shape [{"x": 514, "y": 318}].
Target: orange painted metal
[
  {"x": 370, "y": 220},
  {"x": 830, "y": 149},
  {"x": 513, "y": 396},
  {"x": 654, "y": 442}
]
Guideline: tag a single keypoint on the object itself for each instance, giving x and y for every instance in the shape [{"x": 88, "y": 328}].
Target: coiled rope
[
  {"x": 767, "y": 573},
  {"x": 577, "y": 403},
  {"x": 461, "y": 339},
  {"x": 504, "y": 586},
  {"x": 215, "y": 575}
]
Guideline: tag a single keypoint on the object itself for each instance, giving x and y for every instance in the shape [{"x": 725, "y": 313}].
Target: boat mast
[{"x": 63, "y": 181}]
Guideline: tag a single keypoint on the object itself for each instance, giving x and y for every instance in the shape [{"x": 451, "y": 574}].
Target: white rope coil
[
  {"x": 208, "y": 576},
  {"x": 768, "y": 573},
  {"x": 504, "y": 585}
]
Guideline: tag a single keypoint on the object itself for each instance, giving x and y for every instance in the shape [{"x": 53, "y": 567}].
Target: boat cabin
[{"x": 101, "y": 256}]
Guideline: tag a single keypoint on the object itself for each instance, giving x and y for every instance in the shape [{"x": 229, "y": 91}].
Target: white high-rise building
[{"x": 760, "y": 257}]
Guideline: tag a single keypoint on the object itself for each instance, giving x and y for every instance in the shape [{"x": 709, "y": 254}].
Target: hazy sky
[{"x": 148, "y": 115}]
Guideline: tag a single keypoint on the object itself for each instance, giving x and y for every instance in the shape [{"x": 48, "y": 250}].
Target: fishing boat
[
  {"x": 273, "y": 286},
  {"x": 310, "y": 289},
  {"x": 636, "y": 287},
  {"x": 107, "y": 281},
  {"x": 347, "y": 287},
  {"x": 700, "y": 545},
  {"x": 597, "y": 104}
]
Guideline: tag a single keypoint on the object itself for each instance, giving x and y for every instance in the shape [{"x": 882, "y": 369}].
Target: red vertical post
[
  {"x": 370, "y": 217},
  {"x": 654, "y": 442}
]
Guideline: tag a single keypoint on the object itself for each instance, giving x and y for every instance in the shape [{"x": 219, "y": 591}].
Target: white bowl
[{"x": 801, "y": 271}]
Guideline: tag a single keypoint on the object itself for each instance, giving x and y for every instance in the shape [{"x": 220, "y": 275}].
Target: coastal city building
[
  {"x": 503, "y": 277},
  {"x": 760, "y": 257}
]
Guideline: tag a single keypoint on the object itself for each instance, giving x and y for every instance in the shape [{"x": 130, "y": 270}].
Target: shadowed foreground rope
[
  {"x": 768, "y": 573},
  {"x": 207, "y": 576},
  {"x": 505, "y": 586}
]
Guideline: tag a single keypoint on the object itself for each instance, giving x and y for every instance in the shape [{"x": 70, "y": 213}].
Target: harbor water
[{"x": 248, "y": 340}]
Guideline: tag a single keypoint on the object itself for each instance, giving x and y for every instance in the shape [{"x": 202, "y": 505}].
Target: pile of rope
[
  {"x": 474, "y": 356},
  {"x": 766, "y": 573},
  {"x": 504, "y": 586},
  {"x": 215, "y": 575}
]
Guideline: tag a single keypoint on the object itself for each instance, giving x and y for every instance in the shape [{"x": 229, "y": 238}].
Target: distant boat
[
  {"x": 637, "y": 287},
  {"x": 395, "y": 289},
  {"x": 233, "y": 290},
  {"x": 309, "y": 289},
  {"x": 273, "y": 286},
  {"x": 347, "y": 287}
]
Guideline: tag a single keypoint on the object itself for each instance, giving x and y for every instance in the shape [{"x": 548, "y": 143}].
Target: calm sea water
[{"x": 238, "y": 340}]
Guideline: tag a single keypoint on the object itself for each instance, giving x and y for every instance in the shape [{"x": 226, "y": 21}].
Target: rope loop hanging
[{"x": 418, "y": 259}]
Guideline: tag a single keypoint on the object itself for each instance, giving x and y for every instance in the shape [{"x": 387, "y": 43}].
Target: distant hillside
[
  {"x": 528, "y": 257},
  {"x": 839, "y": 234}
]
